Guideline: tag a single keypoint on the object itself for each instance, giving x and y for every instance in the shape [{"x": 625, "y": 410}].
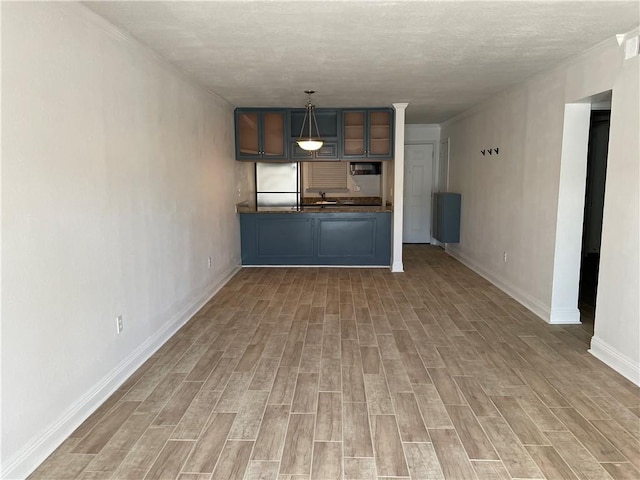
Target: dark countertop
[{"x": 317, "y": 209}]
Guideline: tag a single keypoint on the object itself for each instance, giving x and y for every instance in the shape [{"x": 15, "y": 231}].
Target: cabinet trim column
[{"x": 398, "y": 188}]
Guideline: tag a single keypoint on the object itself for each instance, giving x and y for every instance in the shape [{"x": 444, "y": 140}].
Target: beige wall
[
  {"x": 617, "y": 328},
  {"x": 510, "y": 201},
  {"x": 118, "y": 181}
]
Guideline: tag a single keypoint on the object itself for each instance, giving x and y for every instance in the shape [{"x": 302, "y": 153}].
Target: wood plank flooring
[{"x": 323, "y": 373}]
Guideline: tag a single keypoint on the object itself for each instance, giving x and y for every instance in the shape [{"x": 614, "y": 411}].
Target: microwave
[{"x": 365, "y": 168}]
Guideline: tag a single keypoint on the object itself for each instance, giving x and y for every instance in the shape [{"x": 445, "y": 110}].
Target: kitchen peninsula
[{"x": 316, "y": 235}]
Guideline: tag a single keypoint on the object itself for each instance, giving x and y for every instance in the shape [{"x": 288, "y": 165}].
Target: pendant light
[{"x": 310, "y": 143}]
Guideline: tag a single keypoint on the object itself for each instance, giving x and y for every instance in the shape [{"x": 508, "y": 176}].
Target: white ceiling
[{"x": 440, "y": 56}]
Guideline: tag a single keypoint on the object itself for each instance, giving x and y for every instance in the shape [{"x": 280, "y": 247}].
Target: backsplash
[{"x": 310, "y": 200}]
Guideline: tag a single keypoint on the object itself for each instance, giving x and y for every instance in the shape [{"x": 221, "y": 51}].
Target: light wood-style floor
[{"x": 362, "y": 374}]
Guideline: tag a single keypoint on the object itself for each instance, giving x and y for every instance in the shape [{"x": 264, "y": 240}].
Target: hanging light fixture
[{"x": 310, "y": 143}]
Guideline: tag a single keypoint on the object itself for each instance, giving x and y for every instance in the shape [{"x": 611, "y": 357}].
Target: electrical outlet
[
  {"x": 210, "y": 262},
  {"x": 504, "y": 257},
  {"x": 119, "y": 324}
]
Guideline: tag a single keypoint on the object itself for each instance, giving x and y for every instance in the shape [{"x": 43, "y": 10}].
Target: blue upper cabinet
[
  {"x": 261, "y": 134},
  {"x": 367, "y": 133},
  {"x": 328, "y": 128},
  {"x": 271, "y": 134}
]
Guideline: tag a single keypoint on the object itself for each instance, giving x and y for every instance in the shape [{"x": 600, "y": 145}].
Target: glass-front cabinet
[
  {"x": 380, "y": 133},
  {"x": 261, "y": 134},
  {"x": 353, "y": 122},
  {"x": 367, "y": 133}
]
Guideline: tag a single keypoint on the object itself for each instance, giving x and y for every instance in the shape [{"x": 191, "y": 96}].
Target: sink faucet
[{"x": 323, "y": 195}]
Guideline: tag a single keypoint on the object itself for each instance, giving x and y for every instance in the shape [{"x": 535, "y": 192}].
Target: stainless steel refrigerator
[{"x": 277, "y": 184}]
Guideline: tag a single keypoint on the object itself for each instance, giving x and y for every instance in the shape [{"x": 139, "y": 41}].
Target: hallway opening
[{"x": 593, "y": 211}]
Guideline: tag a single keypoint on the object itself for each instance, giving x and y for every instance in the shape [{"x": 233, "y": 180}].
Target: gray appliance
[
  {"x": 446, "y": 217},
  {"x": 277, "y": 184}
]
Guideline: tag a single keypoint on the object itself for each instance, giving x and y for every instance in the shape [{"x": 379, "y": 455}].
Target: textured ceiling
[{"x": 440, "y": 56}]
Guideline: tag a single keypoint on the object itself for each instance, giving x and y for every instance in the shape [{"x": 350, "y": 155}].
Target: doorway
[
  {"x": 418, "y": 186},
  {"x": 593, "y": 209}
]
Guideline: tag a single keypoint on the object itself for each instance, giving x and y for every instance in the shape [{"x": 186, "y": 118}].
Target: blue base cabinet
[{"x": 316, "y": 238}]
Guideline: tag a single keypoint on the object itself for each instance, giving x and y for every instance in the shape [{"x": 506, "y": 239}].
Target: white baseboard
[
  {"x": 397, "y": 267},
  {"x": 540, "y": 309},
  {"x": 616, "y": 360},
  {"x": 27, "y": 459},
  {"x": 565, "y": 317}
]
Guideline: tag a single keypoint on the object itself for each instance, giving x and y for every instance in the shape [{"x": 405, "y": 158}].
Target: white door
[{"x": 418, "y": 181}]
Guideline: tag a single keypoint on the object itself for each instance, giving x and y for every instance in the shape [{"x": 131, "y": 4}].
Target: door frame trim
[{"x": 448, "y": 161}]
